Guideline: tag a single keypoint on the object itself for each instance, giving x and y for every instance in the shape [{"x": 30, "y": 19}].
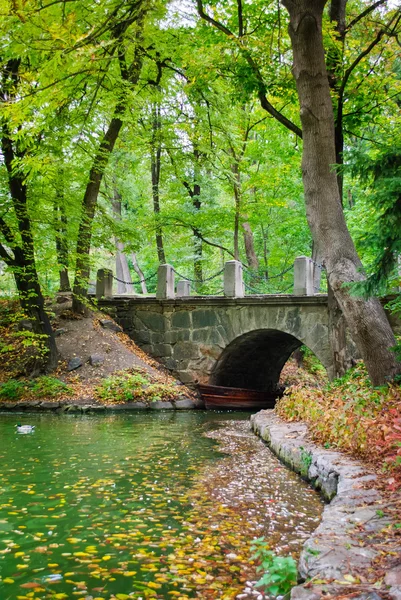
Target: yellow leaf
[{"x": 8, "y": 580}]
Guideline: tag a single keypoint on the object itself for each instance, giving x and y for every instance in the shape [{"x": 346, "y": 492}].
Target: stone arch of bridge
[{"x": 254, "y": 360}]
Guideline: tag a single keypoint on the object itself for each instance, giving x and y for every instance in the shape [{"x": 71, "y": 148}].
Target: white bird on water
[{"x": 25, "y": 428}]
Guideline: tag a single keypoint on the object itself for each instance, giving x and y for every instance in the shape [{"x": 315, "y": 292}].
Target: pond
[{"x": 154, "y": 505}]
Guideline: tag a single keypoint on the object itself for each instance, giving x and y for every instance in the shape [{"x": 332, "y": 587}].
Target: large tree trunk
[
  {"x": 32, "y": 302},
  {"x": 20, "y": 252},
  {"x": 366, "y": 318}
]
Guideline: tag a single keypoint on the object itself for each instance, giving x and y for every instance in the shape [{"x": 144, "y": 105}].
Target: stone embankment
[
  {"x": 340, "y": 550},
  {"x": 87, "y": 408}
]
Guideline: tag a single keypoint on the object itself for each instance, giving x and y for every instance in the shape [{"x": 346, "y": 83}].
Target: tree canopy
[{"x": 150, "y": 131}]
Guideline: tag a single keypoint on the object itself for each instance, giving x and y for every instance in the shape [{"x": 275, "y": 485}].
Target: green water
[{"x": 141, "y": 506}]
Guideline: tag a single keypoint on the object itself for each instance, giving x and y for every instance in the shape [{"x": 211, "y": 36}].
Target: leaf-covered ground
[
  {"x": 365, "y": 422},
  {"x": 126, "y": 373}
]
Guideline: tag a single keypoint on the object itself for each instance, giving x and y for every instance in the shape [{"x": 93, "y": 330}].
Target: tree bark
[
  {"x": 251, "y": 257},
  {"x": 129, "y": 76},
  {"x": 20, "y": 252},
  {"x": 124, "y": 280},
  {"x": 155, "y": 166},
  {"x": 89, "y": 204},
  {"x": 196, "y": 201},
  {"x": 237, "y": 198},
  {"x": 60, "y": 227},
  {"x": 366, "y": 318},
  {"x": 139, "y": 272}
]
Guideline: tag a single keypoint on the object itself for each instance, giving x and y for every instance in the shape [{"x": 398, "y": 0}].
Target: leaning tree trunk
[
  {"x": 366, "y": 318},
  {"x": 89, "y": 204}
]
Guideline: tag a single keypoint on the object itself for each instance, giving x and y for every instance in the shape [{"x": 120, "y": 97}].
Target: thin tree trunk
[
  {"x": 155, "y": 165},
  {"x": 129, "y": 75},
  {"x": 139, "y": 272},
  {"x": 124, "y": 280},
  {"x": 60, "y": 227},
  {"x": 366, "y": 318},
  {"x": 237, "y": 198},
  {"x": 265, "y": 235},
  {"x": 251, "y": 257},
  {"x": 198, "y": 246}
]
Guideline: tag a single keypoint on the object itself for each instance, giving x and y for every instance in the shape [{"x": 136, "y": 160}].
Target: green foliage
[
  {"x": 306, "y": 460},
  {"x": 12, "y": 389},
  {"x": 381, "y": 175},
  {"x": 122, "y": 387},
  {"x": 40, "y": 387},
  {"x": 311, "y": 362},
  {"x": 48, "y": 387},
  {"x": 127, "y": 386},
  {"x": 279, "y": 572}
]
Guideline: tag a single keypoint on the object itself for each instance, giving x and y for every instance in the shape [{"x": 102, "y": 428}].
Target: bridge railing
[{"x": 234, "y": 285}]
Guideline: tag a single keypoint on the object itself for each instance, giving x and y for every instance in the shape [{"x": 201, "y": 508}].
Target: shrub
[
  {"x": 122, "y": 387},
  {"x": 12, "y": 389},
  {"x": 48, "y": 387},
  {"x": 126, "y": 386},
  {"x": 350, "y": 414}
]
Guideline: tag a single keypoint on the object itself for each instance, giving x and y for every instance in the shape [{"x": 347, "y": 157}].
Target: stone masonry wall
[{"x": 190, "y": 335}]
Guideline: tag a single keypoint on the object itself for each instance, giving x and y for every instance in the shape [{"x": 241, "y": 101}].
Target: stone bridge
[
  {"x": 232, "y": 340},
  {"x": 238, "y": 342}
]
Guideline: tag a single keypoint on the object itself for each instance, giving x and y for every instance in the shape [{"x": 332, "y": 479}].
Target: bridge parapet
[{"x": 234, "y": 285}]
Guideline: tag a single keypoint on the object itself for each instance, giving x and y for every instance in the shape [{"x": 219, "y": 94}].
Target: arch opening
[{"x": 254, "y": 360}]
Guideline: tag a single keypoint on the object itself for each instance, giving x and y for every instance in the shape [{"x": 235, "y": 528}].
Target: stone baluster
[
  {"x": 303, "y": 276},
  {"x": 104, "y": 284},
  {"x": 183, "y": 288},
  {"x": 233, "y": 280},
  {"x": 165, "y": 282}
]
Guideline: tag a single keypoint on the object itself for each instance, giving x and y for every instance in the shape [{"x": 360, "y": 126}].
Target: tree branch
[
  {"x": 365, "y": 52},
  {"x": 256, "y": 71},
  {"x": 364, "y": 14}
]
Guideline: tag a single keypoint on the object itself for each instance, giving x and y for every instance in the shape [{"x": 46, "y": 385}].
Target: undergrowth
[
  {"x": 38, "y": 388},
  {"x": 351, "y": 415},
  {"x": 127, "y": 386}
]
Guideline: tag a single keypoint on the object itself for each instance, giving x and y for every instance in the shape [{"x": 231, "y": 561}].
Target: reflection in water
[{"x": 141, "y": 506}]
